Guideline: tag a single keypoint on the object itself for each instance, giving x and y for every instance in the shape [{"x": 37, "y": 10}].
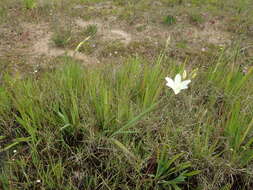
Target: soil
[{"x": 31, "y": 41}]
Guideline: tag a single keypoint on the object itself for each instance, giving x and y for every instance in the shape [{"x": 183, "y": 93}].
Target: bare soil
[{"x": 30, "y": 41}]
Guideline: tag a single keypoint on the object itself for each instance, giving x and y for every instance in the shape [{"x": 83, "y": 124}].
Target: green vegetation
[
  {"x": 90, "y": 30},
  {"x": 62, "y": 37},
  {"x": 169, "y": 20},
  {"x": 196, "y": 18},
  {"x": 84, "y": 123},
  {"x": 92, "y": 111},
  {"x": 29, "y": 4}
]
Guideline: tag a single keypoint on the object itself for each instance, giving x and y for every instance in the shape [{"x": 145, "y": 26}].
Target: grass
[
  {"x": 90, "y": 30},
  {"x": 68, "y": 125},
  {"x": 169, "y": 20},
  {"x": 196, "y": 18},
  {"x": 61, "y": 37},
  {"x": 84, "y": 123},
  {"x": 29, "y": 4}
]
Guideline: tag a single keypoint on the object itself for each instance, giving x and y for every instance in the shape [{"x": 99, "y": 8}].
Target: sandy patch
[
  {"x": 211, "y": 36},
  {"x": 210, "y": 33},
  {"x": 98, "y": 6},
  {"x": 107, "y": 32},
  {"x": 81, "y": 23},
  {"x": 121, "y": 35},
  {"x": 41, "y": 45}
]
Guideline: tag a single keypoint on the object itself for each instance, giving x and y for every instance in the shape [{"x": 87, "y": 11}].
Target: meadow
[{"x": 115, "y": 94}]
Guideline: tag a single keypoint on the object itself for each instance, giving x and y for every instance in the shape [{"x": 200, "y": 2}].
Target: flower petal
[
  {"x": 184, "y": 84},
  {"x": 177, "y": 79},
  {"x": 170, "y": 82},
  {"x": 176, "y": 90}
]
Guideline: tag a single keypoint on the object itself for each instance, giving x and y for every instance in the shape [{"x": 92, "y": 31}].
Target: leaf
[
  {"x": 164, "y": 164},
  {"x": 196, "y": 172},
  {"x": 246, "y": 132},
  {"x": 243, "y": 80},
  {"x": 81, "y": 43},
  {"x": 246, "y": 157},
  {"x": 15, "y": 142},
  {"x": 133, "y": 121},
  {"x": 65, "y": 126},
  {"x": 169, "y": 20},
  {"x": 226, "y": 187},
  {"x": 124, "y": 149},
  {"x": 176, "y": 187},
  {"x": 2, "y": 137}
]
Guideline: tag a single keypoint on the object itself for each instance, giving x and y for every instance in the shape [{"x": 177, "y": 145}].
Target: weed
[
  {"x": 91, "y": 30},
  {"x": 196, "y": 18},
  {"x": 29, "y": 4},
  {"x": 170, "y": 174},
  {"x": 62, "y": 38},
  {"x": 169, "y": 20}
]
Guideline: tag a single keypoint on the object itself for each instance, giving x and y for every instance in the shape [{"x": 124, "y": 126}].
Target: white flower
[
  {"x": 177, "y": 84},
  {"x": 38, "y": 181},
  {"x": 14, "y": 151}
]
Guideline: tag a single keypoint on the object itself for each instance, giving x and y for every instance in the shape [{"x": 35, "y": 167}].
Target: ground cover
[{"x": 84, "y": 102}]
